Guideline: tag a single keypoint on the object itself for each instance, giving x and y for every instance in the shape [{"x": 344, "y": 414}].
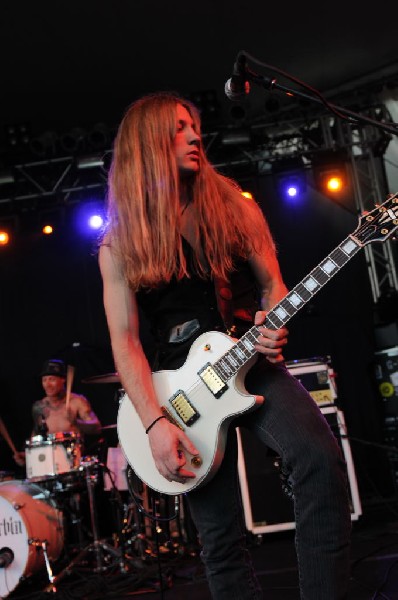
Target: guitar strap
[{"x": 224, "y": 303}]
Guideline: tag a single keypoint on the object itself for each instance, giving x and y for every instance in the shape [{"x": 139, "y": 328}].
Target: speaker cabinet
[{"x": 267, "y": 508}]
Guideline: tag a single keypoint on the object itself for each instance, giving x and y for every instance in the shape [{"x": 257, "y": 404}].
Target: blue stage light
[
  {"x": 96, "y": 221},
  {"x": 290, "y": 178},
  {"x": 89, "y": 217},
  {"x": 292, "y": 187}
]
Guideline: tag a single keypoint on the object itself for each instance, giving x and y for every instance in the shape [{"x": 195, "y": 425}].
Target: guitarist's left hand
[{"x": 271, "y": 341}]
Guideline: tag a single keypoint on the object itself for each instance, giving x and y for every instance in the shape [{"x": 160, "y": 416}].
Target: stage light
[
  {"x": 9, "y": 230},
  {"x": 334, "y": 182},
  {"x": 247, "y": 195},
  {"x": 331, "y": 181},
  {"x": 72, "y": 140},
  {"x": 96, "y": 221},
  {"x": 99, "y": 137},
  {"x": 17, "y": 135},
  {"x": 290, "y": 178},
  {"x": 48, "y": 229},
  {"x": 44, "y": 144},
  {"x": 206, "y": 101},
  {"x": 238, "y": 113},
  {"x": 236, "y": 137},
  {"x": 4, "y": 238},
  {"x": 330, "y": 173},
  {"x": 89, "y": 162},
  {"x": 6, "y": 177},
  {"x": 51, "y": 221},
  {"x": 292, "y": 187},
  {"x": 89, "y": 218}
]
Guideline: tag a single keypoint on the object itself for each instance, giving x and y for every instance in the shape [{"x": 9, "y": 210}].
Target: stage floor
[{"x": 174, "y": 572}]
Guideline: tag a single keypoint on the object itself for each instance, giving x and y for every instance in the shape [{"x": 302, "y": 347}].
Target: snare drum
[
  {"x": 53, "y": 455},
  {"x": 28, "y": 518}
]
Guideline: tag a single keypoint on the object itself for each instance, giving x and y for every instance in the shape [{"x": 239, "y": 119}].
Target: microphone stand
[{"x": 271, "y": 84}]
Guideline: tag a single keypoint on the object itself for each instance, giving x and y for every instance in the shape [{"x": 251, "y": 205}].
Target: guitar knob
[{"x": 196, "y": 461}]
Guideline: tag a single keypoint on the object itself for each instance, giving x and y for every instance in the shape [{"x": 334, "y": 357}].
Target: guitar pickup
[
  {"x": 184, "y": 409},
  {"x": 212, "y": 380}
]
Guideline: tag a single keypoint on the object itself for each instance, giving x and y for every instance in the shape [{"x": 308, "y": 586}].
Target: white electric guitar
[{"x": 207, "y": 392}]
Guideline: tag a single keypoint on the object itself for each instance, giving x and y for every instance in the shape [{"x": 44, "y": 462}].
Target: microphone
[
  {"x": 43, "y": 428},
  {"x": 6, "y": 557},
  {"x": 237, "y": 87}
]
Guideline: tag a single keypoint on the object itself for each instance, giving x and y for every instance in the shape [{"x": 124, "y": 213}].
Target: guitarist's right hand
[{"x": 169, "y": 446}]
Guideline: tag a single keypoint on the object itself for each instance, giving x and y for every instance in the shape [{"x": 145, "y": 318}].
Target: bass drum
[{"x": 28, "y": 518}]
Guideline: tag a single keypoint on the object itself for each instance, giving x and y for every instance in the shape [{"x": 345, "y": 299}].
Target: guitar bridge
[
  {"x": 170, "y": 417},
  {"x": 212, "y": 380},
  {"x": 184, "y": 409}
]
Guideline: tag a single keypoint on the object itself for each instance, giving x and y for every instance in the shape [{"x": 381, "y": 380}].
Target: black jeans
[{"x": 289, "y": 422}]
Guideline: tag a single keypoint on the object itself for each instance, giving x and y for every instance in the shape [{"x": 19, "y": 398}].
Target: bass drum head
[{"x": 27, "y": 513}]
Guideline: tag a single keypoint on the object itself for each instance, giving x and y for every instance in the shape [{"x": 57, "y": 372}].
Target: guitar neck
[{"x": 232, "y": 361}]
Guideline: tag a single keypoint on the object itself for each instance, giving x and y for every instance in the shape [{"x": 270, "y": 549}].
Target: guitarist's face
[{"x": 186, "y": 143}]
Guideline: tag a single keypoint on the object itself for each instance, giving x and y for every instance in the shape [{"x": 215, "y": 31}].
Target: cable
[
  {"x": 155, "y": 519},
  {"x": 138, "y": 502}
]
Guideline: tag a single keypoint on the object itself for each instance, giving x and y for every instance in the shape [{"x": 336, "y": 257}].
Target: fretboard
[{"x": 229, "y": 364}]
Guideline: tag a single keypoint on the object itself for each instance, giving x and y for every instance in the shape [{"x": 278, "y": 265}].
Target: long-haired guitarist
[{"x": 186, "y": 248}]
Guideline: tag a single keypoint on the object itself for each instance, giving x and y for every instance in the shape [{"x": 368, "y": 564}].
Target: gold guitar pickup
[
  {"x": 213, "y": 381},
  {"x": 184, "y": 409}
]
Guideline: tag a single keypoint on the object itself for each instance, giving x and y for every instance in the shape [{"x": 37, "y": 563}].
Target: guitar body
[{"x": 208, "y": 432}]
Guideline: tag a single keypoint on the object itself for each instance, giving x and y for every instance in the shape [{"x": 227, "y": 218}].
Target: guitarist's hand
[
  {"x": 271, "y": 341},
  {"x": 169, "y": 445}
]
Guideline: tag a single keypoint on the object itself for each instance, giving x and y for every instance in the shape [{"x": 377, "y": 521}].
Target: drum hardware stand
[
  {"x": 48, "y": 566},
  {"x": 134, "y": 529},
  {"x": 75, "y": 513},
  {"x": 41, "y": 545},
  {"x": 99, "y": 546}
]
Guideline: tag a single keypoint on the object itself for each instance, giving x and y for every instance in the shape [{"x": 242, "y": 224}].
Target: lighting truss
[{"x": 65, "y": 180}]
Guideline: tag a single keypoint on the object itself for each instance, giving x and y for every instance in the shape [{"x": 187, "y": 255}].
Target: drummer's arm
[
  {"x": 19, "y": 457},
  {"x": 86, "y": 419}
]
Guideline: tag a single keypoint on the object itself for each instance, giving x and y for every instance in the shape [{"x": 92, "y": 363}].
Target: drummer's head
[
  {"x": 54, "y": 366},
  {"x": 53, "y": 375}
]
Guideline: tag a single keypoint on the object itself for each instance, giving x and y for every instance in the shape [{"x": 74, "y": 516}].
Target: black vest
[{"x": 193, "y": 299}]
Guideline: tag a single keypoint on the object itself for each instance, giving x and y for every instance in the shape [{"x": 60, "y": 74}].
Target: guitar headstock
[{"x": 378, "y": 224}]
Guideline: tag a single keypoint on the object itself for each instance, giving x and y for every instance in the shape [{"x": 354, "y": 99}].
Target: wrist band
[{"x": 148, "y": 429}]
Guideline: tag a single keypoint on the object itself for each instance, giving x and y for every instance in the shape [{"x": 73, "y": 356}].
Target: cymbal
[{"x": 106, "y": 378}]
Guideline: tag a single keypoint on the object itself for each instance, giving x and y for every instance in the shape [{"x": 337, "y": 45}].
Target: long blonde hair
[{"x": 144, "y": 207}]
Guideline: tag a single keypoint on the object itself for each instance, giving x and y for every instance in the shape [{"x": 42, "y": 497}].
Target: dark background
[{"x": 68, "y": 65}]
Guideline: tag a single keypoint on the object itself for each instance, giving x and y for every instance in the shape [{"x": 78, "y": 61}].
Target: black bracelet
[{"x": 148, "y": 429}]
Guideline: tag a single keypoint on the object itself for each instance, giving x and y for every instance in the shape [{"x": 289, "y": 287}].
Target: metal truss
[
  {"x": 39, "y": 185},
  {"x": 61, "y": 181}
]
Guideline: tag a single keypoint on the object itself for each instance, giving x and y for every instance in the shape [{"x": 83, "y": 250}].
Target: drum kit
[{"x": 51, "y": 518}]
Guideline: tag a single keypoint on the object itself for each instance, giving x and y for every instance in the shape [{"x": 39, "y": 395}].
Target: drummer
[{"x": 59, "y": 411}]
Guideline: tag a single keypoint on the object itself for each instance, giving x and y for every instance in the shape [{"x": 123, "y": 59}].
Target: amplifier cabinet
[
  {"x": 317, "y": 376},
  {"x": 267, "y": 508}
]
